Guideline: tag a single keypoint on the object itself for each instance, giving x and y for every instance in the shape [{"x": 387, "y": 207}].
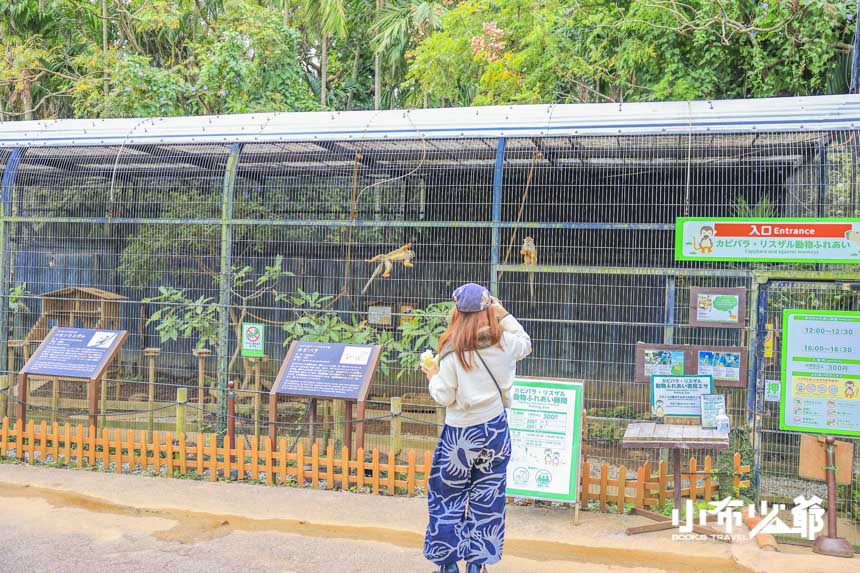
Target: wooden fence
[
  {"x": 649, "y": 490},
  {"x": 127, "y": 451}
]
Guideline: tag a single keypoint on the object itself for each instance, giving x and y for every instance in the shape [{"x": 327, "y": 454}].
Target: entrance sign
[
  {"x": 546, "y": 427},
  {"x": 253, "y": 339},
  {"x": 75, "y": 353},
  {"x": 718, "y": 307},
  {"x": 820, "y": 372},
  {"x": 767, "y": 240},
  {"x": 679, "y": 395},
  {"x": 327, "y": 370}
]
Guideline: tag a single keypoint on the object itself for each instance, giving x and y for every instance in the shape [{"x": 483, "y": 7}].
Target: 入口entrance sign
[
  {"x": 767, "y": 240},
  {"x": 546, "y": 426},
  {"x": 820, "y": 372}
]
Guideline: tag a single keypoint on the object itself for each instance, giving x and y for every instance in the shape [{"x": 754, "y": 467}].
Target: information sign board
[
  {"x": 778, "y": 240},
  {"x": 327, "y": 370},
  {"x": 546, "y": 426},
  {"x": 679, "y": 395},
  {"x": 820, "y": 372},
  {"x": 718, "y": 307},
  {"x": 75, "y": 352}
]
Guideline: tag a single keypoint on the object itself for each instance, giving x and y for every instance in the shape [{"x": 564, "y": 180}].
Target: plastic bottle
[{"x": 722, "y": 422}]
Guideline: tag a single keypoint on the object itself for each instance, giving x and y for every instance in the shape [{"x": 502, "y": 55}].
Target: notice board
[
  {"x": 327, "y": 370},
  {"x": 545, "y": 421},
  {"x": 75, "y": 352}
]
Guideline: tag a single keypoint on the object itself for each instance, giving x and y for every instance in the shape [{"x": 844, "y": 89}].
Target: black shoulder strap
[{"x": 490, "y": 372}]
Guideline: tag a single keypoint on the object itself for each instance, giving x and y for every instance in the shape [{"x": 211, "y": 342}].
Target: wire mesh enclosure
[{"x": 187, "y": 241}]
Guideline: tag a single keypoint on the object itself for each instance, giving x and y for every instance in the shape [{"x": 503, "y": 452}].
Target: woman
[{"x": 473, "y": 378}]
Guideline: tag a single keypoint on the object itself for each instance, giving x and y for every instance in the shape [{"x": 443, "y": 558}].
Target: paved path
[{"x": 68, "y": 520}]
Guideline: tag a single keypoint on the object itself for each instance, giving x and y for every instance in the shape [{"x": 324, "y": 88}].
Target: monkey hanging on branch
[
  {"x": 404, "y": 255},
  {"x": 529, "y": 253}
]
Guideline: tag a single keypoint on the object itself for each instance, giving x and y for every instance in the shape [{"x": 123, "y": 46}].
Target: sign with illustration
[
  {"x": 664, "y": 359},
  {"x": 820, "y": 372},
  {"x": 327, "y": 370},
  {"x": 253, "y": 339},
  {"x": 712, "y": 405},
  {"x": 772, "y": 390},
  {"x": 779, "y": 240},
  {"x": 727, "y": 364},
  {"x": 679, "y": 395},
  {"x": 545, "y": 422},
  {"x": 718, "y": 307},
  {"x": 75, "y": 352}
]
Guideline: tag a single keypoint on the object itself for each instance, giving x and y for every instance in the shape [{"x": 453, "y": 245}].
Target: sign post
[
  {"x": 821, "y": 392},
  {"x": 546, "y": 429},
  {"x": 76, "y": 353},
  {"x": 253, "y": 339},
  {"x": 329, "y": 371}
]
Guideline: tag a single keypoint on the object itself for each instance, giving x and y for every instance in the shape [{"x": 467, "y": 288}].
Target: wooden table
[{"x": 675, "y": 437}]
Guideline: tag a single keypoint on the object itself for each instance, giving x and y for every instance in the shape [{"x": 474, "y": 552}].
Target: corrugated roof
[
  {"x": 96, "y": 292},
  {"x": 791, "y": 114}
]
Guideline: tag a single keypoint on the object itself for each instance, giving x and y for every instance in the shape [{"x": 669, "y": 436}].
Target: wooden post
[
  {"x": 273, "y": 421},
  {"x": 359, "y": 425},
  {"x": 339, "y": 414},
  {"x": 258, "y": 399},
  {"x": 22, "y": 399},
  {"x": 150, "y": 354},
  {"x": 201, "y": 354},
  {"x": 103, "y": 402},
  {"x": 676, "y": 462},
  {"x": 93, "y": 404},
  {"x": 181, "y": 400},
  {"x": 395, "y": 427},
  {"x": 312, "y": 431},
  {"x": 55, "y": 398},
  {"x": 347, "y": 425}
]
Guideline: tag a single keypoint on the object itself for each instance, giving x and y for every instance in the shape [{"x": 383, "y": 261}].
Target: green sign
[
  {"x": 679, "y": 395},
  {"x": 767, "y": 240},
  {"x": 820, "y": 372},
  {"x": 253, "y": 337},
  {"x": 546, "y": 428}
]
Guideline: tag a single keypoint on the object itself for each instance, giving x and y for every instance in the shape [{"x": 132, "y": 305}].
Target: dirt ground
[{"x": 67, "y": 520}]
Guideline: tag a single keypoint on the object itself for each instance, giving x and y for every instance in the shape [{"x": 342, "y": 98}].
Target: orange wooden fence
[
  {"x": 126, "y": 451},
  {"x": 654, "y": 490}
]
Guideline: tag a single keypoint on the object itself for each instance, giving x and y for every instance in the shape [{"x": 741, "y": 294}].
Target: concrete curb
[{"x": 766, "y": 541}]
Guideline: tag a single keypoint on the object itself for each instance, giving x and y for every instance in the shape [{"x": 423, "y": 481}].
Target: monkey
[
  {"x": 849, "y": 389},
  {"x": 529, "y": 253},
  {"x": 706, "y": 242},
  {"x": 386, "y": 261},
  {"x": 853, "y": 236}
]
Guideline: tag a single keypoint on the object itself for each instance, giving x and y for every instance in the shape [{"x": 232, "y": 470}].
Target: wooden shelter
[{"x": 78, "y": 307}]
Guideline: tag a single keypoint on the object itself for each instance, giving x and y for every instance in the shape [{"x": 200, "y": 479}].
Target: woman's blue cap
[{"x": 472, "y": 298}]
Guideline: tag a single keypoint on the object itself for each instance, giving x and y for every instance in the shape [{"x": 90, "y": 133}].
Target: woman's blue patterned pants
[{"x": 466, "y": 494}]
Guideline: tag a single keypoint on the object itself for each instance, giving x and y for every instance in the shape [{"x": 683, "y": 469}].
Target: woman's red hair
[{"x": 470, "y": 331}]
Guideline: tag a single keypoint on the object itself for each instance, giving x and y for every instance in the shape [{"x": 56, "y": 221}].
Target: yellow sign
[{"x": 768, "y": 341}]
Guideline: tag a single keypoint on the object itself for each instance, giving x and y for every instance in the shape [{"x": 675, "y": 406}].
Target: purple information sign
[
  {"x": 74, "y": 352},
  {"x": 327, "y": 370}
]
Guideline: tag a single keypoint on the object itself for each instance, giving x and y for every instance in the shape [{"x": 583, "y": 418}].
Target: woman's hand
[{"x": 430, "y": 371}]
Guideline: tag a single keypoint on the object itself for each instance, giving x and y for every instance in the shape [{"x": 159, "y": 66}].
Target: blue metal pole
[
  {"x": 223, "y": 357},
  {"x": 495, "y": 253},
  {"x": 756, "y": 350},
  {"x": 6, "y": 184}
]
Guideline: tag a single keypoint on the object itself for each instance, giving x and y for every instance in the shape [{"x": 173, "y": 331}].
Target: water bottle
[{"x": 722, "y": 422}]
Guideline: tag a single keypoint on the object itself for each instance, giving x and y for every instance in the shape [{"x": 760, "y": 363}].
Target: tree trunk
[
  {"x": 106, "y": 86},
  {"x": 27, "y": 97},
  {"x": 324, "y": 71},
  {"x": 377, "y": 70},
  {"x": 355, "y": 62}
]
